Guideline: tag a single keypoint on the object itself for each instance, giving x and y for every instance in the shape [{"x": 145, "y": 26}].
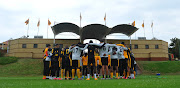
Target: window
[
  {"x": 35, "y": 45},
  {"x": 147, "y": 46},
  {"x": 136, "y": 46},
  {"x": 156, "y": 46},
  {"x": 23, "y": 45}
]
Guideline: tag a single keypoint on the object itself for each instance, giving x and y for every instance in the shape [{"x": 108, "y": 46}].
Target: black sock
[
  {"x": 103, "y": 76},
  {"x": 106, "y": 76}
]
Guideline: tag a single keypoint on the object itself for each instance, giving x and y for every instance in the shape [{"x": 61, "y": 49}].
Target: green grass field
[
  {"x": 142, "y": 81},
  {"x": 163, "y": 67},
  {"x": 27, "y": 73}
]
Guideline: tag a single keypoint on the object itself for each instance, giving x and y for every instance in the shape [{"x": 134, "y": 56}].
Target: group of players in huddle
[{"x": 116, "y": 60}]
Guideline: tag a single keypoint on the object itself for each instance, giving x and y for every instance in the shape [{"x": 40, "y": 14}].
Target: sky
[{"x": 165, "y": 15}]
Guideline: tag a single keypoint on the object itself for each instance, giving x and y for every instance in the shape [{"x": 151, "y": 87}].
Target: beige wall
[{"x": 30, "y": 52}]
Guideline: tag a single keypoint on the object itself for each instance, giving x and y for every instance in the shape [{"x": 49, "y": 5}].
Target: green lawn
[
  {"x": 142, "y": 81},
  {"x": 24, "y": 67},
  {"x": 8, "y": 60},
  {"x": 163, "y": 67},
  {"x": 27, "y": 73}
]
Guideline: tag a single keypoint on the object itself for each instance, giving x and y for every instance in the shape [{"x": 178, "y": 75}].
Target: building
[{"x": 144, "y": 50}]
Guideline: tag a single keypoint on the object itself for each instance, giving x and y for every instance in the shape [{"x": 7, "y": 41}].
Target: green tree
[{"x": 174, "y": 47}]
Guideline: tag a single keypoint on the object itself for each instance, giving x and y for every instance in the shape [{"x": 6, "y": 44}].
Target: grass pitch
[
  {"x": 141, "y": 81},
  {"x": 27, "y": 73}
]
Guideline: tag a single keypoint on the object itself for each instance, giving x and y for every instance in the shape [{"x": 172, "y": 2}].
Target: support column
[{"x": 130, "y": 44}]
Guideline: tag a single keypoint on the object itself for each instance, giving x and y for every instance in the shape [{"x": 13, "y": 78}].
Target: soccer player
[
  {"x": 109, "y": 66},
  {"x": 63, "y": 63},
  {"x": 67, "y": 63},
  {"x": 55, "y": 62},
  {"x": 98, "y": 64},
  {"x": 76, "y": 53},
  {"x": 103, "y": 51},
  {"x": 85, "y": 62},
  {"x": 46, "y": 63},
  {"x": 135, "y": 69},
  {"x": 122, "y": 59},
  {"x": 91, "y": 60},
  {"x": 132, "y": 66},
  {"x": 114, "y": 61}
]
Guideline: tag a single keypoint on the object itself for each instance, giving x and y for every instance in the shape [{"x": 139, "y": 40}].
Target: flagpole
[
  {"x": 144, "y": 32},
  {"x": 152, "y": 32},
  {"x": 143, "y": 28},
  {"x": 152, "y": 29},
  {"x": 47, "y": 28},
  {"x": 28, "y": 29},
  {"x": 38, "y": 31},
  {"x": 54, "y": 36},
  {"x": 105, "y": 19},
  {"x": 47, "y": 31},
  {"x": 80, "y": 26},
  {"x": 105, "y": 25}
]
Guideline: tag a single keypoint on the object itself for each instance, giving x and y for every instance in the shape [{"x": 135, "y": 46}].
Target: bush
[
  {"x": 8, "y": 60},
  {"x": 1, "y": 53}
]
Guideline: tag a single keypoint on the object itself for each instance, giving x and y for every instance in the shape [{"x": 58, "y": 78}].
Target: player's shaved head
[{"x": 90, "y": 41}]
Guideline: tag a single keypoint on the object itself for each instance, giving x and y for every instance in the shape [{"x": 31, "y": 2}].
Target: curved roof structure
[
  {"x": 93, "y": 31},
  {"x": 124, "y": 29},
  {"x": 65, "y": 27}
]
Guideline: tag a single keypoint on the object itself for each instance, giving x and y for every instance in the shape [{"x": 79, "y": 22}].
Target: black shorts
[
  {"x": 104, "y": 60},
  {"x": 91, "y": 60},
  {"x": 65, "y": 63},
  {"x": 114, "y": 62},
  {"x": 99, "y": 67},
  {"x": 75, "y": 63},
  {"x": 109, "y": 67},
  {"x": 84, "y": 66}
]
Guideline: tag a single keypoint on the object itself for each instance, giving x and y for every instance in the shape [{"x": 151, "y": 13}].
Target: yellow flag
[
  {"x": 38, "y": 23},
  {"x": 105, "y": 17},
  {"x": 49, "y": 23},
  {"x": 143, "y": 24},
  {"x": 80, "y": 16},
  {"x": 27, "y": 21},
  {"x": 133, "y": 24},
  {"x": 152, "y": 25}
]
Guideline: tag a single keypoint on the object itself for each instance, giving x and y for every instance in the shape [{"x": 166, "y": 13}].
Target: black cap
[
  {"x": 48, "y": 45},
  {"x": 56, "y": 44},
  {"x": 122, "y": 43},
  {"x": 90, "y": 41}
]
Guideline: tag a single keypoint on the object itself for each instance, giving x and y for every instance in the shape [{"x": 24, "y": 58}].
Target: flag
[
  {"x": 80, "y": 16},
  {"x": 105, "y": 17},
  {"x": 152, "y": 25},
  {"x": 27, "y": 21},
  {"x": 143, "y": 24},
  {"x": 133, "y": 24},
  {"x": 38, "y": 23},
  {"x": 49, "y": 23}
]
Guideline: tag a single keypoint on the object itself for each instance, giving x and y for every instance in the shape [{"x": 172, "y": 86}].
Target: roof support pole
[
  {"x": 130, "y": 43},
  {"x": 54, "y": 40},
  {"x": 80, "y": 33}
]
